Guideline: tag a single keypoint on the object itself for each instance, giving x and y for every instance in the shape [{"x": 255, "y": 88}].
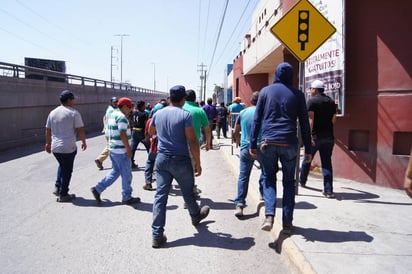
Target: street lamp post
[
  {"x": 154, "y": 75},
  {"x": 121, "y": 54}
]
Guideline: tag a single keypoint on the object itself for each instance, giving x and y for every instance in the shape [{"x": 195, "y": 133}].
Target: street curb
[{"x": 293, "y": 252}]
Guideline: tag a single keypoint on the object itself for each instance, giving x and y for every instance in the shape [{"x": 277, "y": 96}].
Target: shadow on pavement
[
  {"x": 332, "y": 236},
  {"x": 205, "y": 238}
]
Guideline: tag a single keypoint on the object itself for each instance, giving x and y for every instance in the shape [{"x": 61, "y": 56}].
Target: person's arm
[
  {"x": 82, "y": 136},
  {"x": 48, "y": 140},
  {"x": 104, "y": 124},
  {"x": 125, "y": 141},
  {"x": 236, "y": 133},
  {"x": 194, "y": 148},
  {"x": 408, "y": 177}
]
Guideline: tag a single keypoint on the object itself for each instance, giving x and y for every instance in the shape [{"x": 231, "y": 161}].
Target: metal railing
[{"x": 19, "y": 71}]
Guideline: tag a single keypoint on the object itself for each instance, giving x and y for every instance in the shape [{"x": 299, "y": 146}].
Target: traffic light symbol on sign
[{"x": 303, "y": 28}]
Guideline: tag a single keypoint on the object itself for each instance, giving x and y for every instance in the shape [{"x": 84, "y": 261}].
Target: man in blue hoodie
[{"x": 278, "y": 108}]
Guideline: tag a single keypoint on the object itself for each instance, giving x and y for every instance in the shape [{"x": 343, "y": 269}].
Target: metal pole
[
  {"x": 302, "y": 88},
  {"x": 204, "y": 87},
  {"x": 154, "y": 75},
  {"x": 121, "y": 55}
]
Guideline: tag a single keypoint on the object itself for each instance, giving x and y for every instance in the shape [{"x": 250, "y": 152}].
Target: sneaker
[
  {"x": 131, "y": 201},
  {"x": 134, "y": 165},
  {"x": 239, "y": 211},
  {"x": 96, "y": 194},
  {"x": 287, "y": 229},
  {"x": 148, "y": 186},
  {"x": 204, "y": 211},
  {"x": 66, "y": 198},
  {"x": 56, "y": 191},
  {"x": 156, "y": 243},
  {"x": 302, "y": 184},
  {"x": 329, "y": 195},
  {"x": 268, "y": 223},
  {"x": 99, "y": 164}
]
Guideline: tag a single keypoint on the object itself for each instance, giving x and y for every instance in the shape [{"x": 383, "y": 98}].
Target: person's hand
[
  {"x": 129, "y": 152},
  {"x": 47, "y": 147},
  {"x": 198, "y": 170},
  {"x": 84, "y": 146},
  {"x": 308, "y": 158},
  {"x": 253, "y": 152}
]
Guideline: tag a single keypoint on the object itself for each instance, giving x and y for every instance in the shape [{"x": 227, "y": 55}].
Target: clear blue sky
[{"x": 175, "y": 35}]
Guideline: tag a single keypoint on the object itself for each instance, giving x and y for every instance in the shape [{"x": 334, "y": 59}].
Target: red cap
[{"x": 124, "y": 101}]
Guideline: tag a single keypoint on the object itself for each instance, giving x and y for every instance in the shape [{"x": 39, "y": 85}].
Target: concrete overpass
[{"x": 25, "y": 103}]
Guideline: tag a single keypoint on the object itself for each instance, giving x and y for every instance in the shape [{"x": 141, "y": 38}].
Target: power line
[{"x": 218, "y": 35}]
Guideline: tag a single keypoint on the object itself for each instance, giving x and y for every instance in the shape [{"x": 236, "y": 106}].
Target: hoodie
[{"x": 277, "y": 111}]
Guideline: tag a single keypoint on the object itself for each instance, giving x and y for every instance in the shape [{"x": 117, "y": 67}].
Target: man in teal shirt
[{"x": 199, "y": 117}]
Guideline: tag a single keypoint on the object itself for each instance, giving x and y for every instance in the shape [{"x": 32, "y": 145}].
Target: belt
[
  {"x": 176, "y": 157},
  {"x": 137, "y": 129},
  {"x": 275, "y": 144}
]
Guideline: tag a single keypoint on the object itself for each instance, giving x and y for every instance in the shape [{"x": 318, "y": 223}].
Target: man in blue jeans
[
  {"x": 63, "y": 125},
  {"x": 244, "y": 123},
  {"x": 277, "y": 110},
  {"x": 120, "y": 153},
  {"x": 176, "y": 135},
  {"x": 322, "y": 117}
]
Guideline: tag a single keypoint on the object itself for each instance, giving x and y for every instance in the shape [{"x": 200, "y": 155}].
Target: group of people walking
[{"x": 266, "y": 132}]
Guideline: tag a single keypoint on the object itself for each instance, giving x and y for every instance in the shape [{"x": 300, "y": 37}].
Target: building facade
[{"x": 373, "y": 136}]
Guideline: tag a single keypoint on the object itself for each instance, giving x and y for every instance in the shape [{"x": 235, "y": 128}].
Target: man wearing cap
[
  {"x": 120, "y": 153},
  {"x": 278, "y": 109},
  {"x": 105, "y": 153},
  {"x": 322, "y": 117},
  {"x": 62, "y": 126},
  {"x": 175, "y": 133}
]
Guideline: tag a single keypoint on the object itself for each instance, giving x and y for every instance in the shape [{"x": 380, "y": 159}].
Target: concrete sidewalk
[{"x": 366, "y": 229}]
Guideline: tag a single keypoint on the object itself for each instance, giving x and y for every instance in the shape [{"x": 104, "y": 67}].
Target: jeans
[
  {"x": 120, "y": 167},
  {"x": 325, "y": 148},
  {"x": 287, "y": 156},
  {"x": 64, "y": 171},
  {"x": 138, "y": 137},
  {"x": 168, "y": 168},
  {"x": 148, "y": 171},
  {"x": 246, "y": 165}
]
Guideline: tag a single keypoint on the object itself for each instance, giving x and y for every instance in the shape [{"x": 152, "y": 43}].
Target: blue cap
[
  {"x": 177, "y": 93},
  {"x": 67, "y": 94}
]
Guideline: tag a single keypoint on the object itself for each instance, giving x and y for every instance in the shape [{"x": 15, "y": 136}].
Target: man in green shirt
[{"x": 199, "y": 117}]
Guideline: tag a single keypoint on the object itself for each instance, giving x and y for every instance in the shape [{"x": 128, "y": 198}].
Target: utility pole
[
  {"x": 111, "y": 63},
  {"x": 121, "y": 54},
  {"x": 154, "y": 75},
  {"x": 204, "y": 87},
  {"x": 202, "y": 80}
]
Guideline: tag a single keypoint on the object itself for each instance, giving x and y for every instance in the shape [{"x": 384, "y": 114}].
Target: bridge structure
[{"x": 26, "y": 102}]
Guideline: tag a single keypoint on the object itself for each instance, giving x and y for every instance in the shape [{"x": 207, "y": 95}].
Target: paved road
[{"x": 39, "y": 235}]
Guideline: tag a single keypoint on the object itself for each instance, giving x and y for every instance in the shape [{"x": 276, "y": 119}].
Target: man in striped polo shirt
[{"x": 120, "y": 153}]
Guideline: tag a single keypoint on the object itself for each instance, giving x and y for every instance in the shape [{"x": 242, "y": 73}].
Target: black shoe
[
  {"x": 159, "y": 242},
  {"x": 99, "y": 164},
  {"x": 56, "y": 191},
  {"x": 131, "y": 201},
  {"x": 66, "y": 198},
  {"x": 96, "y": 194},
  {"x": 204, "y": 211},
  {"x": 302, "y": 184},
  {"x": 134, "y": 165},
  {"x": 148, "y": 186}
]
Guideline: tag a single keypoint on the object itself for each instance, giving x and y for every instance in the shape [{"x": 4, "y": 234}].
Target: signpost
[{"x": 302, "y": 30}]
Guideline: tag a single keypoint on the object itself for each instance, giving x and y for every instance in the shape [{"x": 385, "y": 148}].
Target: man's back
[
  {"x": 170, "y": 123},
  {"x": 324, "y": 109},
  {"x": 198, "y": 115}
]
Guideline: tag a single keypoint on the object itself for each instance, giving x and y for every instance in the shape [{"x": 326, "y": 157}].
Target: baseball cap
[
  {"x": 178, "y": 92},
  {"x": 67, "y": 94},
  {"x": 317, "y": 84},
  {"x": 114, "y": 100},
  {"x": 125, "y": 101}
]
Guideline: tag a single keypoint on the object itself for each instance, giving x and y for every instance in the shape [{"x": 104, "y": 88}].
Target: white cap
[{"x": 317, "y": 84}]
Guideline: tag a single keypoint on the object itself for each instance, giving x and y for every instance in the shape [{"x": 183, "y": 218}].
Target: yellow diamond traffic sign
[{"x": 303, "y": 29}]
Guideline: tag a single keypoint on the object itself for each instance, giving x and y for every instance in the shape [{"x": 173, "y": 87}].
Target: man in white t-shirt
[{"x": 63, "y": 125}]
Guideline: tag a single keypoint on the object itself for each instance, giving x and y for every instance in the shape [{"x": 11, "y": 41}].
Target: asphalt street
[{"x": 39, "y": 235}]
